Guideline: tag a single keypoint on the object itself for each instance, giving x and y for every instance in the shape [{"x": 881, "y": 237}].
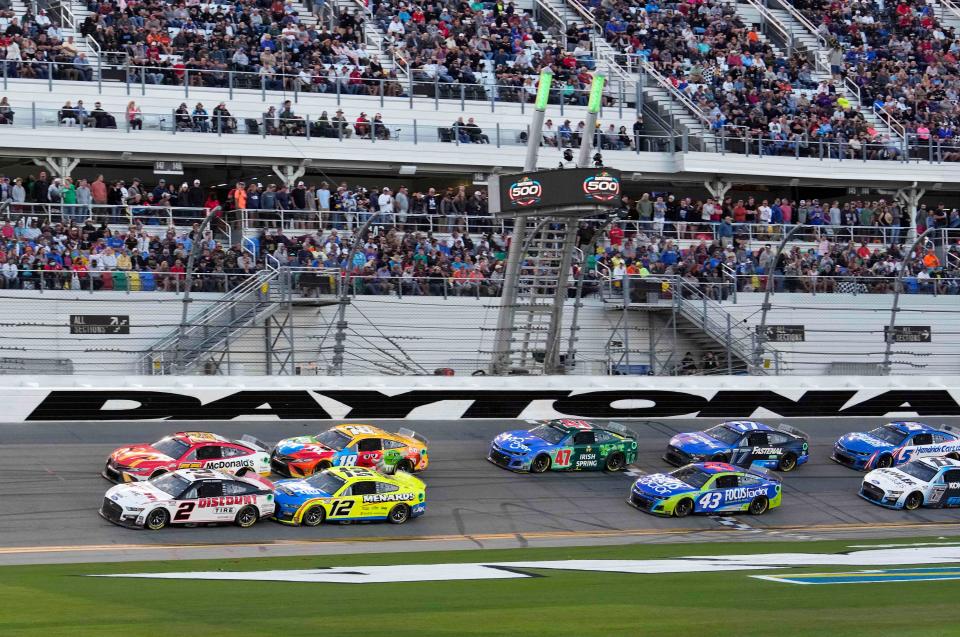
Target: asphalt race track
[{"x": 52, "y": 489}]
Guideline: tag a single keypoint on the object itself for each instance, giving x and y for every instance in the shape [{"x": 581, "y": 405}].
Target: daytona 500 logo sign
[
  {"x": 525, "y": 192},
  {"x": 601, "y": 187},
  {"x": 293, "y": 404}
]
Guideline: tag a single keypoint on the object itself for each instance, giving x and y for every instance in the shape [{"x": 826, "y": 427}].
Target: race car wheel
[
  {"x": 683, "y": 508},
  {"x": 913, "y": 501},
  {"x": 884, "y": 461},
  {"x": 759, "y": 505},
  {"x": 246, "y": 517},
  {"x": 405, "y": 466},
  {"x": 399, "y": 514},
  {"x": 157, "y": 519},
  {"x": 540, "y": 464},
  {"x": 788, "y": 462},
  {"x": 615, "y": 462},
  {"x": 314, "y": 516}
]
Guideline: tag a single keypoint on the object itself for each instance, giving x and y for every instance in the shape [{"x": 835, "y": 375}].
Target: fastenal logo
[
  {"x": 525, "y": 192},
  {"x": 601, "y": 187}
]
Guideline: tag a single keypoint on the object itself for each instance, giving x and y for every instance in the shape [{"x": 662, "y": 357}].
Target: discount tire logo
[
  {"x": 525, "y": 192},
  {"x": 601, "y": 187}
]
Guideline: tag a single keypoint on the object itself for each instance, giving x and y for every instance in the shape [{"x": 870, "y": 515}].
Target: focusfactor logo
[
  {"x": 601, "y": 187},
  {"x": 525, "y": 192}
]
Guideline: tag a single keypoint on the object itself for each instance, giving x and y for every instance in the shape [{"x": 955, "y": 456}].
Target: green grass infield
[{"x": 54, "y": 600}]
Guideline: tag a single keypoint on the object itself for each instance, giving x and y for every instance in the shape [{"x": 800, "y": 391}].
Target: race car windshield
[
  {"x": 326, "y": 482},
  {"x": 888, "y": 434},
  {"x": 171, "y": 447},
  {"x": 690, "y": 475},
  {"x": 171, "y": 484},
  {"x": 549, "y": 433},
  {"x": 723, "y": 434},
  {"x": 919, "y": 470},
  {"x": 333, "y": 440}
]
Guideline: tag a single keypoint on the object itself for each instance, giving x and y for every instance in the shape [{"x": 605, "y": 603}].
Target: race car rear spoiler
[
  {"x": 410, "y": 433},
  {"x": 793, "y": 431},
  {"x": 623, "y": 430},
  {"x": 255, "y": 443}
]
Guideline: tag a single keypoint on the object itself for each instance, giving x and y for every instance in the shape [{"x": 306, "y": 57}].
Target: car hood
[
  {"x": 863, "y": 442},
  {"x": 661, "y": 485},
  {"x": 519, "y": 441},
  {"x": 298, "y": 488},
  {"x": 137, "y": 455},
  {"x": 697, "y": 442},
  {"x": 136, "y": 494},
  {"x": 891, "y": 479},
  {"x": 302, "y": 446}
]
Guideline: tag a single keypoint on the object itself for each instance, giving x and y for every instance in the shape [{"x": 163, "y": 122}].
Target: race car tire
[
  {"x": 759, "y": 505},
  {"x": 913, "y": 501},
  {"x": 314, "y": 516},
  {"x": 719, "y": 457},
  {"x": 157, "y": 519},
  {"x": 540, "y": 464},
  {"x": 788, "y": 462},
  {"x": 399, "y": 514},
  {"x": 615, "y": 462},
  {"x": 684, "y": 508},
  {"x": 404, "y": 465},
  {"x": 246, "y": 517},
  {"x": 884, "y": 461}
]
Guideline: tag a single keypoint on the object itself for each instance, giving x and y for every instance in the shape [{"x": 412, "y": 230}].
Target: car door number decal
[
  {"x": 346, "y": 461},
  {"x": 184, "y": 511},
  {"x": 710, "y": 500},
  {"x": 563, "y": 457},
  {"x": 340, "y": 507}
]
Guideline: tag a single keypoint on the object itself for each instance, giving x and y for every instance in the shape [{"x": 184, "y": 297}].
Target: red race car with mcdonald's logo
[
  {"x": 350, "y": 446},
  {"x": 187, "y": 450}
]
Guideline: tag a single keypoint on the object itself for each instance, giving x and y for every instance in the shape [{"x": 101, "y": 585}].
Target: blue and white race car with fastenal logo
[
  {"x": 744, "y": 443},
  {"x": 893, "y": 444},
  {"x": 929, "y": 482}
]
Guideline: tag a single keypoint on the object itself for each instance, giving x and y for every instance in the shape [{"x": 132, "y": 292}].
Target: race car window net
[
  {"x": 333, "y": 439},
  {"x": 549, "y": 433},
  {"x": 171, "y": 447},
  {"x": 691, "y": 475},
  {"x": 326, "y": 482},
  {"x": 888, "y": 434},
  {"x": 724, "y": 434},
  {"x": 171, "y": 484},
  {"x": 919, "y": 470}
]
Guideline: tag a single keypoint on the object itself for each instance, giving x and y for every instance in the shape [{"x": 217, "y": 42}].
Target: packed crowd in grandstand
[{"x": 87, "y": 233}]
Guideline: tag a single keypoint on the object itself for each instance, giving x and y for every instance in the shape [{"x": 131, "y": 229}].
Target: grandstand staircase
[
  {"x": 207, "y": 336},
  {"x": 805, "y": 38},
  {"x": 948, "y": 12},
  {"x": 668, "y": 104}
]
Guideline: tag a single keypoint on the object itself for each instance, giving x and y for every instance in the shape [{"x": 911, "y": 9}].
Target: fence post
[
  {"x": 410, "y": 87},
  {"x": 493, "y": 98},
  {"x": 99, "y": 76},
  {"x": 381, "y": 93},
  {"x": 498, "y": 134},
  {"x": 263, "y": 129},
  {"x": 5, "y": 75},
  {"x": 463, "y": 97},
  {"x": 186, "y": 83},
  {"x": 414, "y": 132},
  {"x": 174, "y": 111},
  {"x": 230, "y": 82},
  {"x": 338, "y": 92},
  {"x": 143, "y": 82},
  {"x": 308, "y": 127},
  {"x": 33, "y": 114},
  {"x": 436, "y": 93}
]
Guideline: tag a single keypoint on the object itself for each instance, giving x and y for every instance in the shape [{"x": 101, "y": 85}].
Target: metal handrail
[
  {"x": 952, "y": 7},
  {"x": 649, "y": 69},
  {"x": 772, "y": 21},
  {"x": 787, "y": 6}
]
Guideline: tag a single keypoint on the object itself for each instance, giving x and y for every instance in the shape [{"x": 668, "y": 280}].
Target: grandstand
[{"x": 774, "y": 154}]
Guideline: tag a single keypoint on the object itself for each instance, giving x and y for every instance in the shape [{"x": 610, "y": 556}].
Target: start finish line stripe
[{"x": 868, "y": 577}]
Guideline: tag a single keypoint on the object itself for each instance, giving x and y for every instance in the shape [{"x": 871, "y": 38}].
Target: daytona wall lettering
[{"x": 74, "y": 405}]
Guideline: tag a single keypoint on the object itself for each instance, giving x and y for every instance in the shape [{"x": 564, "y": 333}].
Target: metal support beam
[
  {"x": 895, "y": 306},
  {"x": 910, "y": 199},
  {"x": 61, "y": 167},
  {"x": 717, "y": 188},
  {"x": 761, "y": 331},
  {"x": 289, "y": 174}
]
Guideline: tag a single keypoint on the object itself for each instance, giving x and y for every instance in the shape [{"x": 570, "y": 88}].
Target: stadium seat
[
  {"x": 120, "y": 281},
  {"x": 147, "y": 282},
  {"x": 134, "y": 278},
  {"x": 107, "y": 279}
]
